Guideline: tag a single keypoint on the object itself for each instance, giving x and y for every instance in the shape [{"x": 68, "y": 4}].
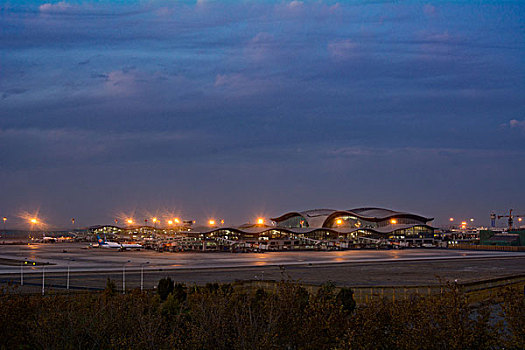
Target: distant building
[
  {"x": 311, "y": 229},
  {"x": 322, "y": 225},
  {"x": 511, "y": 238}
]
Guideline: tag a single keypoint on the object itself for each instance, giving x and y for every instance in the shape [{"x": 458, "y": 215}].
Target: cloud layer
[{"x": 266, "y": 106}]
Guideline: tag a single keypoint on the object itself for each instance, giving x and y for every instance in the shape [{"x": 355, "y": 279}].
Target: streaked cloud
[
  {"x": 518, "y": 124},
  {"x": 55, "y": 7},
  {"x": 374, "y": 92}
]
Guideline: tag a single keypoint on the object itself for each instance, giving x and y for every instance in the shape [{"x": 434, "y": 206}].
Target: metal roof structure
[{"x": 320, "y": 217}]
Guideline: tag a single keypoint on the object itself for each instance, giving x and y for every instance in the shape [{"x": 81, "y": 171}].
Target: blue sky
[{"x": 241, "y": 108}]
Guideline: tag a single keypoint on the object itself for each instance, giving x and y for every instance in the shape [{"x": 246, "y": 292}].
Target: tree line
[{"x": 220, "y": 316}]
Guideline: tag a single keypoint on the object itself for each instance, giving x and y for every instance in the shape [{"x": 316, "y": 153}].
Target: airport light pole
[
  {"x": 22, "y": 263},
  {"x": 67, "y": 282},
  {"x": 43, "y": 279},
  {"x": 142, "y": 276},
  {"x": 124, "y": 277}
]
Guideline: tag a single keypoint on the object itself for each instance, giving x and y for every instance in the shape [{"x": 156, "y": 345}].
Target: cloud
[
  {"x": 121, "y": 82},
  {"x": 57, "y": 7},
  {"x": 295, "y": 4},
  {"x": 518, "y": 124},
  {"x": 341, "y": 48},
  {"x": 442, "y": 37},
  {"x": 64, "y": 145},
  {"x": 240, "y": 85},
  {"x": 418, "y": 152},
  {"x": 260, "y": 46},
  {"x": 429, "y": 10},
  {"x": 13, "y": 91},
  {"x": 334, "y": 8},
  {"x": 165, "y": 11}
]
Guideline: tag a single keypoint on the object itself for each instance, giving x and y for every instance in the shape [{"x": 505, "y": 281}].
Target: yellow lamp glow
[
  {"x": 393, "y": 221},
  {"x": 177, "y": 220},
  {"x": 154, "y": 219},
  {"x": 339, "y": 221},
  {"x": 170, "y": 222},
  {"x": 451, "y": 219},
  {"x": 260, "y": 221},
  {"x": 130, "y": 221},
  {"x": 211, "y": 222},
  {"x": 34, "y": 221}
]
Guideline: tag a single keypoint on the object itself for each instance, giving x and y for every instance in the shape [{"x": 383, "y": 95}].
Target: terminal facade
[{"x": 310, "y": 229}]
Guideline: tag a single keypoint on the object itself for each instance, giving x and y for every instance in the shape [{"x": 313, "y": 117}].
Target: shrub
[{"x": 165, "y": 287}]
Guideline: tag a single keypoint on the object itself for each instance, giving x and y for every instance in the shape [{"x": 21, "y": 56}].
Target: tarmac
[{"x": 90, "y": 268}]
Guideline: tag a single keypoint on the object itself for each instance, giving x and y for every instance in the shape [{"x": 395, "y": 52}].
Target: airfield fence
[
  {"x": 476, "y": 291},
  {"x": 502, "y": 248}
]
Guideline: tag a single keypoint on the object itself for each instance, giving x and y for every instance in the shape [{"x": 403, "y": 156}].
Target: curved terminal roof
[{"x": 320, "y": 217}]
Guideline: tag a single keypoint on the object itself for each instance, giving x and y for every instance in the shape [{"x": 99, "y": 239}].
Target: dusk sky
[{"x": 239, "y": 109}]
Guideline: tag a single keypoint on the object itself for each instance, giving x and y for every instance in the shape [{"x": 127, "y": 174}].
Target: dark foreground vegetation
[{"x": 224, "y": 317}]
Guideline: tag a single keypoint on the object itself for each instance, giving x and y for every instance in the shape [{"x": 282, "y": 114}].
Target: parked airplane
[
  {"x": 47, "y": 239},
  {"x": 102, "y": 243}
]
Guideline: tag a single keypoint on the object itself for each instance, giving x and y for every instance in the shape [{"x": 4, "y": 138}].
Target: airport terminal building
[
  {"x": 341, "y": 228},
  {"x": 310, "y": 229}
]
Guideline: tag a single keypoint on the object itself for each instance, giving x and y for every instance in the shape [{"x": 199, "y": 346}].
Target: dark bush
[
  {"x": 289, "y": 317},
  {"x": 345, "y": 298},
  {"x": 165, "y": 287}
]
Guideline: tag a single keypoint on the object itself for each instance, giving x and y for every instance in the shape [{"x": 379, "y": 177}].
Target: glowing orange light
[
  {"x": 260, "y": 221},
  {"x": 34, "y": 221},
  {"x": 451, "y": 219},
  {"x": 339, "y": 221},
  {"x": 463, "y": 223},
  {"x": 393, "y": 221},
  {"x": 177, "y": 220},
  {"x": 222, "y": 222},
  {"x": 170, "y": 222},
  {"x": 130, "y": 221},
  {"x": 471, "y": 220},
  {"x": 5, "y": 219},
  {"x": 211, "y": 222},
  {"x": 154, "y": 219},
  {"x": 519, "y": 219}
]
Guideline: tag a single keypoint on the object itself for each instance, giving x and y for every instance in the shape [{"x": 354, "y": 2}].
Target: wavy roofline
[{"x": 352, "y": 212}]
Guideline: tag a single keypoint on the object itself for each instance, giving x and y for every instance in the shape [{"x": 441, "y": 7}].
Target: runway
[{"x": 59, "y": 256}]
